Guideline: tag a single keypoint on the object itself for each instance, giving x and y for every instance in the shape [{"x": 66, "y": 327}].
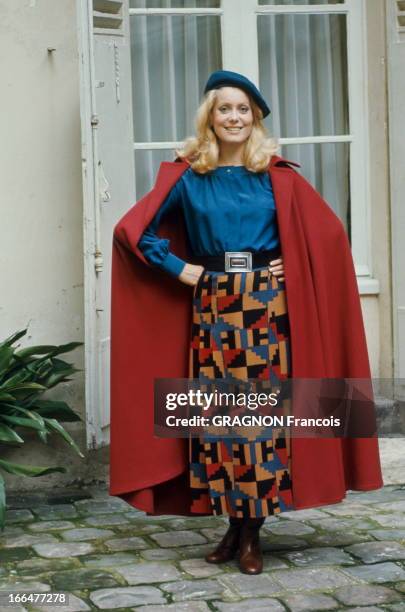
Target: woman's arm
[{"x": 156, "y": 250}]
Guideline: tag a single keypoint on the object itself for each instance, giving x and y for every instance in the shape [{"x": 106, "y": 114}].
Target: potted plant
[{"x": 25, "y": 375}]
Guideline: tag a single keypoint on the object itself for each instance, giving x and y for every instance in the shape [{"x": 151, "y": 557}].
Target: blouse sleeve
[{"x": 155, "y": 249}]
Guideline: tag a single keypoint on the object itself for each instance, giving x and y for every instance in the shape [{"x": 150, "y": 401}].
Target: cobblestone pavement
[{"x": 348, "y": 556}]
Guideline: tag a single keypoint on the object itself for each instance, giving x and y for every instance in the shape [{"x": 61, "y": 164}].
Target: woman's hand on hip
[
  {"x": 276, "y": 268},
  {"x": 190, "y": 274}
]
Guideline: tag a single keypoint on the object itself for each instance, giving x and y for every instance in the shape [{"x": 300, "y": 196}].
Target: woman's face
[{"x": 232, "y": 116}]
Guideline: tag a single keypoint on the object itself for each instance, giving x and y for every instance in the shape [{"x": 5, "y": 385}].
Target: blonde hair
[{"x": 202, "y": 150}]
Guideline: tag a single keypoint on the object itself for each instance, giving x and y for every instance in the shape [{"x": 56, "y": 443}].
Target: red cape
[{"x": 150, "y": 334}]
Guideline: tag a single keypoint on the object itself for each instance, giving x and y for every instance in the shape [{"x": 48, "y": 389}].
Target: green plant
[{"x": 25, "y": 375}]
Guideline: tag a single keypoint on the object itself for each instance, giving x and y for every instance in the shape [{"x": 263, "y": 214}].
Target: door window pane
[
  {"x": 303, "y": 74},
  {"x": 326, "y": 167},
  {"x": 300, "y": 2},
  {"x": 171, "y": 58},
  {"x": 174, "y": 4},
  {"x": 147, "y": 164}
]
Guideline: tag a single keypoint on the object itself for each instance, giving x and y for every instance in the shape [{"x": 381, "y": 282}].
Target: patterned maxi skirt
[{"x": 240, "y": 332}]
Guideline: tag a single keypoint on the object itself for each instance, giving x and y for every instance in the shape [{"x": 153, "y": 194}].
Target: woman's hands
[
  {"x": 276, "y": 267},
  {"x": 190, "y": 274}
]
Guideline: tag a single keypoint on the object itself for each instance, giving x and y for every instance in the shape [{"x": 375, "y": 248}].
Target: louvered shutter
[
  {"x": 396, "y": 98},
  {"x": 108, "y": 183}
]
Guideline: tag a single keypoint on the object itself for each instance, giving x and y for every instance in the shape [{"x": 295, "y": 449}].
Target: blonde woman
[{"x": 217, "y": 222}]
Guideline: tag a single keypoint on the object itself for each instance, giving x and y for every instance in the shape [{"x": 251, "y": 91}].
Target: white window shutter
[
  {"x": 108, "y": 183},
  {"x": 396, "y": 105},
  {"x": 400, "y": 19}
]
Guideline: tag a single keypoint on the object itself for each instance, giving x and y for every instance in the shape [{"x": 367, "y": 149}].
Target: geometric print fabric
[{"x": 240, "y": 331}]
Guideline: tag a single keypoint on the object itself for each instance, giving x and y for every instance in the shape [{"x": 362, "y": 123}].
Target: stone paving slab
[
  {"x": 75, "y": 605},
  {"x": 366, "y": 594},
  {"x": 61, "y": 511},
  {"x": 159, "y": 554},
  {"x": 308, "y": 603},
  {"x": 290, "y": 528},
  {"x": 27, "y": 540},
  {"x": 251, "y": 586},
  {"x": 344, "y": 538},
  {"x": 166, "y": 539},
  {"x": 109, "y": 560},
  {"x": 125, "y": 597},
  {"x": 184, "y": 590},
  {"x": 395, "y": 520},
  {"x": 198, "y": 568},
  {"x": 37, "y": 565},
  {"x": 109, "y": 556},
  {"x": 106, "y": 520},
  {"x": 188, "y": 606},
  {"x": 321, "y": 578},
  {"x": 18, "y": 516},
  {"x": 50, "y": 526},
  {"x": 319, "y": 556},
  {"x": 129, "y": 543},
  {"x": 378, "y": 572},
  {"x": 149, "y": 572},
  {"x": 372, "y": 552},
  {"x": 259, "y": 605},
  {"x": 389, "y": 534},
  {"x": 61, "y": 549}
]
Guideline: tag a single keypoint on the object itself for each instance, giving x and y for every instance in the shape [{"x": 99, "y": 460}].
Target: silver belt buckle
[{"x": 238, "y": 261}]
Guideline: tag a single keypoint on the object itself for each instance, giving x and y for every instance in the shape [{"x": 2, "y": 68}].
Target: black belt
[{"x": 236, "y": 261}]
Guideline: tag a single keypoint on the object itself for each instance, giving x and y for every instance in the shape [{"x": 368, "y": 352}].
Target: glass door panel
[
  {"x": 171, "y": 58},
  {"x": 303, "y": 74},
  {"x": 326, "y": 166},
  {"x": 298, "y": 2}
]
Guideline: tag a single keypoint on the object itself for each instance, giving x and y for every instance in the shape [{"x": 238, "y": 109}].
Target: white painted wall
[{"x": 41, "y": 231}]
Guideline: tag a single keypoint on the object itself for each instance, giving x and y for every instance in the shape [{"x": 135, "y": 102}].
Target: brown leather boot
[
  {"x": 228, "y": 546},
  {"x": 250, "y": 554}
]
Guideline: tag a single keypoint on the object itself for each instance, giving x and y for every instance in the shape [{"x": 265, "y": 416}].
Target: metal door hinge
[
  {"x": 98, "y": 261},
  {"x": 104, "y": 185}
]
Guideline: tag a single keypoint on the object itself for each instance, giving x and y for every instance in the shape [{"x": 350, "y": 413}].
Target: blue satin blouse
[{"x": 228, "y": 209}]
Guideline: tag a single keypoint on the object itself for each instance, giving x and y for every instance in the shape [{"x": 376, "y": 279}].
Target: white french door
[{"x": 146, "y": 63}]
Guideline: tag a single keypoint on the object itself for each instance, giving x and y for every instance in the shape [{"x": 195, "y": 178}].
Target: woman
[{"x": 240, "y": 324}]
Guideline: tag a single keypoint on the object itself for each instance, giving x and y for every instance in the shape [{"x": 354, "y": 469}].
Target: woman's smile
[{"x": 232, "y": 105}]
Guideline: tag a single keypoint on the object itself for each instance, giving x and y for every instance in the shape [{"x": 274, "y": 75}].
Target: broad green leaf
[
  {"x": 42, "y": 349},
  {"x": 53, "y": 379},
  {"x": 31, "y": 414},
  {"x": 23, "y": 386},
  {"x": 21, "y": 422},
  {"x": 28, "y": 470},
  {"x": 19, "y": 377},
  {"x": 6, "y": 397},
  {"x": 66, "y": 348},
  {"x": 2, "y": 502},
  {"x": 49, "y": 350},
  {"x": 53, "y": 423},
  {"x": 6, "y": 354},
  {"x": 43, "y": 432},
  {"x": 13, "y": 338},
  {"x": 7, "y": 434},
  {"x": 56, "y": 409},
  {"x": 61, "y": 364}
]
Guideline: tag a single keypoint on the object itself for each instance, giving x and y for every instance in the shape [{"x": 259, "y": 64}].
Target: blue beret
[{"x": 221, "y": 78}]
